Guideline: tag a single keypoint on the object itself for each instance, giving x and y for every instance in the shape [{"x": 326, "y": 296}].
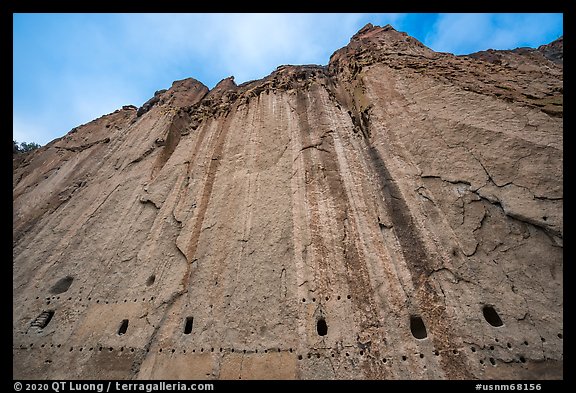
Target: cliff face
[{"x": 396, "y": 214}]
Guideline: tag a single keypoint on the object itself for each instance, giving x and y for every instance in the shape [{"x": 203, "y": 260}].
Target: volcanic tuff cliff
[{"x": 395, "y": 214}]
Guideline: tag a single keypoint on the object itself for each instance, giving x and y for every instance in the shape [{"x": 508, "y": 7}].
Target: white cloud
[
  {"x": 468, "y": 33},
  {"x": 79, "y": 99},
  {"x": 24, "y": 130},
  {"x": 87, "y": 66},
  {"x": 84, "y": 66},
  {"x": 248, "y": 46}
]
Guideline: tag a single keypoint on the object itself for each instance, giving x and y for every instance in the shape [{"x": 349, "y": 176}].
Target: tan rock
[{"x": 396, "y": 214}]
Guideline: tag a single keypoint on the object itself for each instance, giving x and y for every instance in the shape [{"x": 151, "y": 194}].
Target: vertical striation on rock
[{"x": 396, "y": 214}]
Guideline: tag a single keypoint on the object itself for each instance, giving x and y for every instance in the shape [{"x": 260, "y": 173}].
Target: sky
[{"x": 69, "y": 69}]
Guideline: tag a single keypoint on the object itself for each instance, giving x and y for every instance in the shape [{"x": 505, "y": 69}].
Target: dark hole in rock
[
  {"x": 321, "y": 327},
  {"x": 151, "y": 280},
  {"x": 123, "y": 327},
  {"x": 188, "y": 325},
  {"x": 492, "y": 316},
  {"x": 62, "y": 285},
  {"x": 417, "y": 327}
]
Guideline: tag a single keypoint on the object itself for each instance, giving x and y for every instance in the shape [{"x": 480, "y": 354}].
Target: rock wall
[{"x": 396, "y": 214}]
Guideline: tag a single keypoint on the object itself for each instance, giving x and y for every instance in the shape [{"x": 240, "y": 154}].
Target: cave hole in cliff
[
  {"x": 43, "y": 319},
  {"x": 188, "y": 325},
  {"x": 123, "y": 327},
  {"x": 151, "y": 280},
  {"x": 417, "y": 327},
  {"x": 321, "y": 327},
  {"x": 492, "y": 316},
  {"x": 62, "y": 285}
]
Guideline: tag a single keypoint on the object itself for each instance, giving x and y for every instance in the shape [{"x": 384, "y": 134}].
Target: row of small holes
[
  {"x": 152, "y": 298},
  {"x": 509, "y": 346},
  {"x": 232, "y": 350},
  {"x": 169, "y": 350},
  {"x": 172, "y": 350},
  {"x": 327, "y": 298},
  {"x": 347, "y": 354},
  {"x": 48, "y": 299},
  {"x": 521, "y": 358},
  {"x": 361, "y": 352},
  {"x": 90, "y": 299},
  {"x": 492, "y": 361}
]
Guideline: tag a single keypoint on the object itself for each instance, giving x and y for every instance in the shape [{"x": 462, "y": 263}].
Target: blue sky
[{"x": 69, "y": 69}]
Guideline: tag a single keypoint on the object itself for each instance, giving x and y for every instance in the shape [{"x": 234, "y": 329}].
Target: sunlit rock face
[{"x": 396, "y": 214}]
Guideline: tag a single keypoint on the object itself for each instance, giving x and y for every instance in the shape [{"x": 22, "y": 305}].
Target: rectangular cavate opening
[
  {"x": 492, "y": 316},
  {"x": 321, "y": 327},
  {"x": 188, "y": 325},
  {"x": 417, "y": 327},
  {"x": 43, "y": 319},
  {"x": 123, "y": 327}
]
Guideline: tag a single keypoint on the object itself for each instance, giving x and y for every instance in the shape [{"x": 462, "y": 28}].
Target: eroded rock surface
[{"x": 396, "y": 214}]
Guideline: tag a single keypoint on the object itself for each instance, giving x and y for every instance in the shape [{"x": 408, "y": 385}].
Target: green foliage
[{"x": 24, "y": 147}]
